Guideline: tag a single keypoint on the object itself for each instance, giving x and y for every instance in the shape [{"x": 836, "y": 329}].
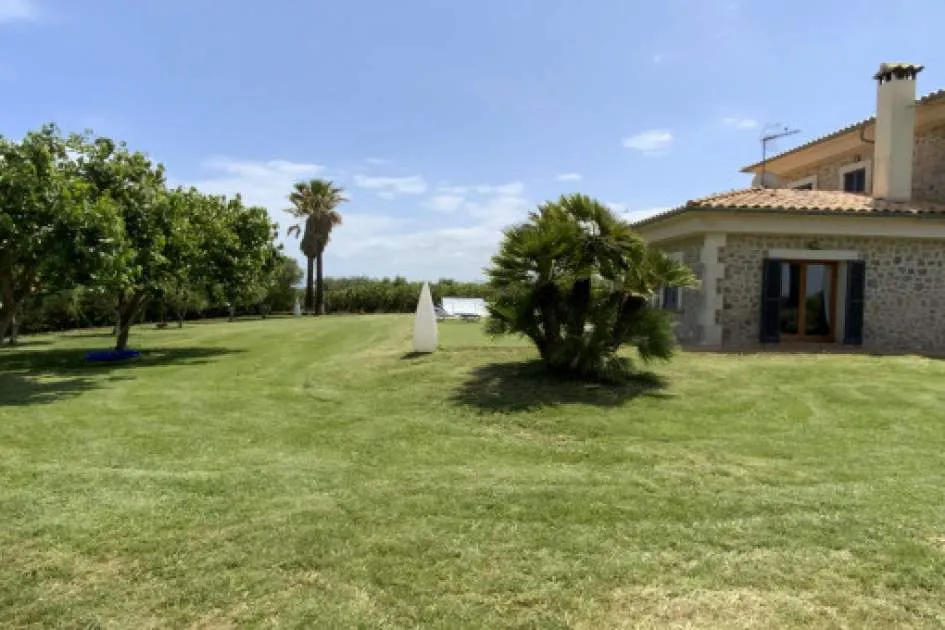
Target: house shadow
[
  {"x": 527, "y": 386},
  {"x": 29, "y": 377}
]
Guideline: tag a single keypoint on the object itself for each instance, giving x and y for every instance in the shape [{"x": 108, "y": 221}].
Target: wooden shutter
[
  {"x": 856, "y": 293},
  {"x": 771, "y": 301}
]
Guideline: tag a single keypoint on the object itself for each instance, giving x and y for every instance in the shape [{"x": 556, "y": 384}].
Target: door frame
[{"x": 831, "y": 337}]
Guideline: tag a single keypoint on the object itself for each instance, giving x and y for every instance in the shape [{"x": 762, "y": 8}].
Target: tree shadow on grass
[
  {"x": 526, "y": 386},
  {"x": 95, "y": 333},
  {"x": 30, "y": 377},
  {"x": 24, "y": 343}
]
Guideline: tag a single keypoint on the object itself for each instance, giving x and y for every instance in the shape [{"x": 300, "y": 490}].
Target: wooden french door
[{"x": 808, "y": 301}]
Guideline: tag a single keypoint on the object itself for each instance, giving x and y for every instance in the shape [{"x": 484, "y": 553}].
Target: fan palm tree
[{"x": 315, "y": 203}]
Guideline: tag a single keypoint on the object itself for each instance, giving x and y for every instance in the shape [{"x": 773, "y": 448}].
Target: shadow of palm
[{"x": 525, "y": 386}]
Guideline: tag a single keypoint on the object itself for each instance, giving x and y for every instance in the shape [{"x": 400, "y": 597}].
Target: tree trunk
[
  {"x": 8, "y": 304},
  {"x": 127, "y": 309},
  {"x": 320, "y": 286},
  {"x": 7, "y": 314},
  {"x": 309, "y": 285},
  {"x": 14, "y": 328}
]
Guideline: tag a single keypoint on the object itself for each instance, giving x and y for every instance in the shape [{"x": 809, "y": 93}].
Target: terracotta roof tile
[
  {"x": 804, "y": 202},
  {"x": 928, "y": 98}
]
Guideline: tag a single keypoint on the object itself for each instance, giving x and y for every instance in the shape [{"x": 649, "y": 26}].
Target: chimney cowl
[{"x": 899, "y": 70}]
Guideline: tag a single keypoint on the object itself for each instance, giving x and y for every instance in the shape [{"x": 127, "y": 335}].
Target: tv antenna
[{"x": 769, "y": 137}]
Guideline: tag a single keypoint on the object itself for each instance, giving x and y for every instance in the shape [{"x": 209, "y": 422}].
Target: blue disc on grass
[{"x": 112, "y": 355}]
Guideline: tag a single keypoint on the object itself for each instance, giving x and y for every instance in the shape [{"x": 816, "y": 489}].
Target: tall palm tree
[{"x": 314, "y": 202}]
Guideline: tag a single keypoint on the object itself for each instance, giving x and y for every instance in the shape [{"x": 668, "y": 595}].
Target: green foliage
[
  {"x": 315, "y": 202},
  {"x": 238, "y": 252},
  {"x": 391, "y": 295},
  {"x": 54, "y": 232},
  {"x": 576, "y": 280},
  {"x": 281, "y": 282},
  {"x": 86, "y": 222}
]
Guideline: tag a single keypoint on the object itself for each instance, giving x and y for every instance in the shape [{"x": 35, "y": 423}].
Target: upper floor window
[
  {"x": 855, "y": 177},
  {"x": 805, "y": 183},
  {"x": 855, "y": 181}
]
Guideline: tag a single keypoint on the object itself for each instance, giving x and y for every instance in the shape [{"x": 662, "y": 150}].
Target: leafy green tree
[
  {"x": 280, "y": 289},
  {"x": 54, "y": 232},
  {"x": 576, "y": 280},
  {"x": 237, "y": 241},
  {"x": 158, "y": 238},
  {"x": 184, "y": 295},
  {"x": 315, "y": 202}
]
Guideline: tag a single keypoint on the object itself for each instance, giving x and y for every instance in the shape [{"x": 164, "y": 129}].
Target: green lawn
[{"x": 307, "y": 472}]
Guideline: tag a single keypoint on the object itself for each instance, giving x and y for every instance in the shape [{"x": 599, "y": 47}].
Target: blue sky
[{"x": 449, "y": 119}]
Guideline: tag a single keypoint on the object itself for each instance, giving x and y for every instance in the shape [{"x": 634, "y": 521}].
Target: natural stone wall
[
  {"x": 904, "y": 308},
  {"x": 828, "y": 173},
  {"x": 928, "y": 166},
  {"x": 688, "y": 329}
]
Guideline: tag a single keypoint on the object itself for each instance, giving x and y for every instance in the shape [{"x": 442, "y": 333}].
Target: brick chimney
[{"x": 895, "y": 131}]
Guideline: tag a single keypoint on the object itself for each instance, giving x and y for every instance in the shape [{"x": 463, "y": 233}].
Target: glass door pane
[
  {"x": 790, "y": 298},
  {"x": 817, "y": 316}
]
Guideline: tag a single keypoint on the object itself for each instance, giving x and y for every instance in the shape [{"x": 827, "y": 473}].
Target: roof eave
[{"x": 789, "y": 211}]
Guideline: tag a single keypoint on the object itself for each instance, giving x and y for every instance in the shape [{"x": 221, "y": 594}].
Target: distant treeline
[
  {"x": 84, "y": 308},
  {"x": 392, "y": 295}
]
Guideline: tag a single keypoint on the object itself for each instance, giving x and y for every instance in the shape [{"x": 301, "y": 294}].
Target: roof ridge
[
  {"x": 927, "y": 98},
  {"x": 713, "y": 196}
]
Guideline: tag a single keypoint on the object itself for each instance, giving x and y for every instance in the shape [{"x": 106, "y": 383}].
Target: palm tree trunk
[
  {"x": 320, "y": 287},
  {"x": 310, "y": 286}
]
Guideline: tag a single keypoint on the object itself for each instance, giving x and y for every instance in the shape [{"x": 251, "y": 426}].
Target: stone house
[{"x": 839, "y": 241}]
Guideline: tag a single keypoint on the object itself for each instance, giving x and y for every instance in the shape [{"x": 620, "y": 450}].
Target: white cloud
[
  {"x": 644, "y": 213},
  {"x": 261, "y": 183},
  {"x": 412, "y": 185},
  {"x": 265, "y": 183},
  {"x": 569, "y": 177},
  {"x": 511, "y": 188},
  {"x": 657, "y": 58},
  {"x": 458, "y": 251},
  {"x": 627, "y": 214},
  {"x": 18, "y": 10},
  {"x": 650, "y": 142},
  {"x": 740, "y": 123},
  {"x": 617, "y": 206},
  {"x": 446, "y": 203},
  {"x": 457, "y": 242},
  {"x": 386, "y": 194}
]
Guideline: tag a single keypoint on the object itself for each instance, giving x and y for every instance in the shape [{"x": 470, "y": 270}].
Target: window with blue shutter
[
  {"x": 856, "y": 294},
  {"x": 770, "y": 301}
]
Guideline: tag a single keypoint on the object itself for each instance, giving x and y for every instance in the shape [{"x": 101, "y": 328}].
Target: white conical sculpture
[
  {"x": 424, "y": 324},
  {"x": 296, "y": 308}
]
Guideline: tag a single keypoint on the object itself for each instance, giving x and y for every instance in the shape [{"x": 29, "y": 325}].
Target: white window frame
[
  {"x": 678, "y": 257},
  {"x": 866, "y": 165},
  {"x": 797, "y": 183}
]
